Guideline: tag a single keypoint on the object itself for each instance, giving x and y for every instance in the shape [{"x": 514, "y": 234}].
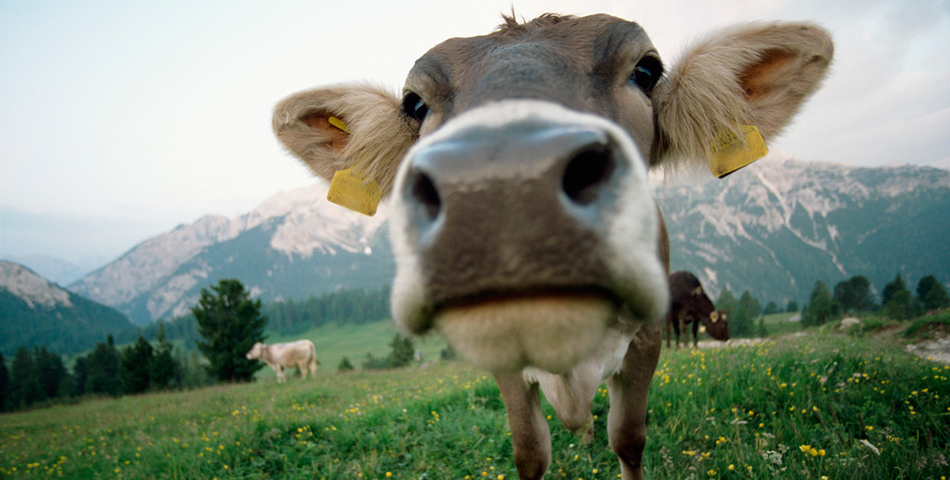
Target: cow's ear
[
  {"x": 756, "y": 74},
  {"x": 340, "y": 127}
]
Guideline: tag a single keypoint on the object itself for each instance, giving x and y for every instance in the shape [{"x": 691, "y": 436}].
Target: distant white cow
[{"x": 279, "y": 356}]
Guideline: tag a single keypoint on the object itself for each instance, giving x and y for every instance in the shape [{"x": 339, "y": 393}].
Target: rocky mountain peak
[
  {"x": 32, "y": 288},
  {"x": 161, "y": 274},
  {"x": 773, "y": 228}
]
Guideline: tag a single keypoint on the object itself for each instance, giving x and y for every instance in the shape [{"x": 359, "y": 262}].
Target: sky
[{"x": 121, "y": 120}]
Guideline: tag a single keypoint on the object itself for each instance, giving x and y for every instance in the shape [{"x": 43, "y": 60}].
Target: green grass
[
  {"x": 926, "y": 326},
  {"x": 797, "y": 407},
  {"x": 778, "y": 324},
  {"x": 333, "y": 342}
]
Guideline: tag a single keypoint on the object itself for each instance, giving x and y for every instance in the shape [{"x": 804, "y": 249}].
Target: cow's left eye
[
  {"x": 646, "y": 74},
  {"x": 415, "y": 107}
]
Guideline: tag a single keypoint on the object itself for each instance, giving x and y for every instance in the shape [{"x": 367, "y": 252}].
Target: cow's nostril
[
  {"x": 587, "y": 172},
  {"x": 424, "y": 191}
]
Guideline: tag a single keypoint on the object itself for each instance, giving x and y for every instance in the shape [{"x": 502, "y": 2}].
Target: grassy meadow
[
  {"x": 333, "y": 342},
  {"x": 812, "y": 405}
]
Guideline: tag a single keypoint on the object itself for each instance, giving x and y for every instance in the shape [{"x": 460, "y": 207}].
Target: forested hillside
[
  {"x": 347, "y": 307},
  {"x": 35, "y": 312}
]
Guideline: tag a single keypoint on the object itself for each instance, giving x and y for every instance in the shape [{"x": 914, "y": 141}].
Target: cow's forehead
[{"x": 550, "y": 57}]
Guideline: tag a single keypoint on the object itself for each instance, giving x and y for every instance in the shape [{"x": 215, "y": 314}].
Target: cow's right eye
[
  {"x": 414, "y": 107},
  {"x": 646, "y": 74}
]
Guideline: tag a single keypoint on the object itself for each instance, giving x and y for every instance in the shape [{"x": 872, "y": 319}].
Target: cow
[
  {"x": 690, "y": 304},
  {"x": 717, "y": 325},
  {"x": 278, "y": 356},
  {"x": 521, "y": 217}
]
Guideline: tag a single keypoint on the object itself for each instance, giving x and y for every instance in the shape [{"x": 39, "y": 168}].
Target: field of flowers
[{"x": 817, "y": 405}]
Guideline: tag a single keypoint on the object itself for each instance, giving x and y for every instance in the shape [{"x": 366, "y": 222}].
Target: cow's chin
[{"x": 552, "y": 333}]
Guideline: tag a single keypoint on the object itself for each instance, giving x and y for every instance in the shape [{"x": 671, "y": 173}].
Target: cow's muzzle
[{"x": 503, "y": 231}]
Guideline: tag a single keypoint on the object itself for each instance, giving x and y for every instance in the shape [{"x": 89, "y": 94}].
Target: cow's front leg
[
  {"x": 626, "y": 422},
  {"x": 530, "y": 435}
]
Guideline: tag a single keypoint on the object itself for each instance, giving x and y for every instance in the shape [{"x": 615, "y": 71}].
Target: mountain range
[
  {"x": 36, "y": 312},
  {"x": 777, "y": 226},
  {"x": 293, "y": 245},
  {"x": 773, "y": 228}
]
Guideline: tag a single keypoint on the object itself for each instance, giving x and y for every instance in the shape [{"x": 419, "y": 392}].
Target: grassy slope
[
  {"x": 333, "y": 342},
  {"x": 800, "y": 407}
]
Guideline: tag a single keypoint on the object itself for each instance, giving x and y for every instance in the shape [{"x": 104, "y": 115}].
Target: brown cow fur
[
  {"x": 756, "y": 74},
  {"x": 777, "y": 66}
]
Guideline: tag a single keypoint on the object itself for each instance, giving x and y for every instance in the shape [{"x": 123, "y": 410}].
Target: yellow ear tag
[
  {"x": 730, "y": 153},
  {"x": 336, "y": 122},
  {"x": 349, "y": 189}
]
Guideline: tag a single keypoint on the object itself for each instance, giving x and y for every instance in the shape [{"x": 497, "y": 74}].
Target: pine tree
[
  {"x": 4, "y": 383},
  {"x": 854, "y": 294},
  {"x": 80, "y": 376},
  {"x": 896, "y": 285},
  {"x": 230, "y": 323},
  {"x": 821, "y": 306},
  {"x": 896, "y": 300},
  {"x": 792, "y": 306},
  {"x": 164, "y": 368},
  {"x": 102, "y": 369},
  {"x": 345, "y": 365},
  {"x": 50, "y": 374},
  {"x": 931, "y": 293},
  {"x": 24, "y": 390},
  {"x": 742, "y": 321},
  {"x": 403, "y": 351},
  {"x": 134, "y": 363}
]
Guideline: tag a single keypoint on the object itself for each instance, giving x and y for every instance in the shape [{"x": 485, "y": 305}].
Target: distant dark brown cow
[
  {"x": 689, "y": 304},
  {"x": 522, "y": 220},
  {"x": 717, "y": 325}
]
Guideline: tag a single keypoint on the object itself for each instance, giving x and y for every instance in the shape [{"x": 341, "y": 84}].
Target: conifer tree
[
  {"x": 892, "y": 288},
  {"x": 931, "y": 293},
  {"x": 403, "y": 351},
  {"x": 24, "y": 390},
  {"x": 4, "y": 383},
  {"x": 230, "y": 323},
  {"x": 854, "y": 294},
  {"x": 742, "y": 320},
  {"x": 164, "y": 368},
  {"x": 102, "y": 369},
  {"x": 896, "y": 300},
  {"x": 821, "y": 306},
  {"x": 135, "y": 361},
  {"x": 49, "y": 374}
]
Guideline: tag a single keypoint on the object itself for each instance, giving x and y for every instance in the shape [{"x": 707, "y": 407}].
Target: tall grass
[{"x": 818, "y": 405}]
